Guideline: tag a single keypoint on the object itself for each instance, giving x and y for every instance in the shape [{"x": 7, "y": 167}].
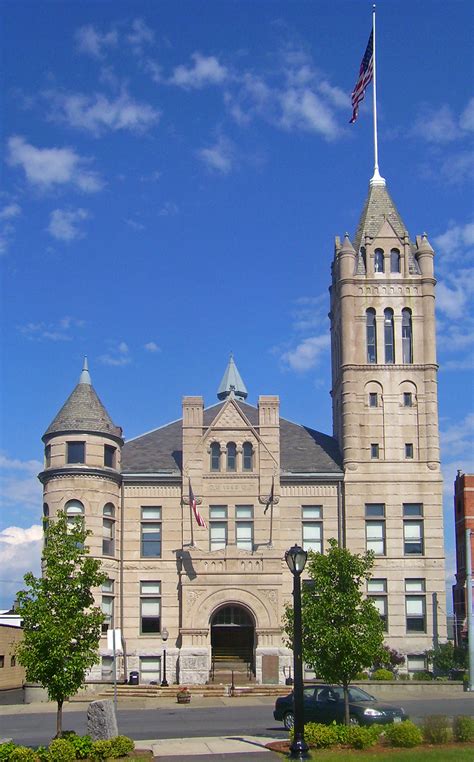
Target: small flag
[
  {"x": 270, "y": 497},
  {"x": 366, "y": 73},
  {"x": 193, "y": 504}
]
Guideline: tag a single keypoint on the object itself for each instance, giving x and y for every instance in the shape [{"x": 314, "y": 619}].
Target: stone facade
[
  {"x": 463, "y": 520},
  {"x": 262, "y": 483},
  {"x": 12, "y": 674}
]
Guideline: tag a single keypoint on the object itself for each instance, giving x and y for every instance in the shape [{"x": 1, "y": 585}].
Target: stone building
[
  {"x": 262, "y": 483},
  {"x": 463, "y": 521}
]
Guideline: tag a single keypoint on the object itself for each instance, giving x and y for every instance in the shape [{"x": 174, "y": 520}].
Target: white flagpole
[{"x": 376, "y": 178}]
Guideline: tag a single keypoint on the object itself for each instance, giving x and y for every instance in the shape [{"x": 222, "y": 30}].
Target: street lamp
[
  {"x": 296, "y": 558},
  {"x": 164, "y": 635}
]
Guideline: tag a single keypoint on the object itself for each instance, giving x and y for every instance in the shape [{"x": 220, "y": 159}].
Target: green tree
[
  {"x": 342, "y": 630},
  {"x": 60, "y": 622},
  {"x": 447, "y": 656}
]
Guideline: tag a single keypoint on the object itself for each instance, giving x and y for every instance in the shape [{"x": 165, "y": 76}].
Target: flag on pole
[
  {"x": 192, "y": 502},
  {"x": 270, "y": 497},
  {"x": 366, "y": 73}
]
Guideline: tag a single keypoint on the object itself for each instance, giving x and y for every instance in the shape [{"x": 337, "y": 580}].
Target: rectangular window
[
  {"x": 151, "y": 532},
  {"x": 416, "y": 663},
  {"x": 374, "y": 510},
  {"x": 412, "y": 509},
  {"x": 150, "y": 608},
  {"x": 150, "y": 669},
  {"x": 2, "y": 661},
  {"x": 12, "y": 661},
  {"x": 415, "y": 605},
  {"x": 413, "y": 529},
  {"x": 107, "y": 666},
  {"x": 374, "y": 451},
  {"x": 407, "y": 399},
  {"x": 109, "y": 456},
  {"x": 108, "y": 540},
  {"x": 217, "y": 527},
  {"x": 312, "y": 528},
  {"x": 47, "y": 456},
  {"x": 377, "y": 592},
  {"x": 375, "y": 530},
  {"x": 244, "y": 526},
  {"x": 373, "y": 399},
  {"x": 108, "y": 604},
  {"x": 409, "y": 450},
  {"x": 76, "y": 452}
]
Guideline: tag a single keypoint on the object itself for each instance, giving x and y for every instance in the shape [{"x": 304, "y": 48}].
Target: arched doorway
[{"x": 233, "y": 638}]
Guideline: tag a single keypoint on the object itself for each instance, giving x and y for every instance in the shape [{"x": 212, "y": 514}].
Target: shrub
[
  {"x": 121, "y": 746},
  {"x": 463, "y": 728},
  {"x": 382, "y": 674},
  {"x": 423, "y": 675},
  {"x": 42, "y": 754},
  {"x": 403, "y": 676},
  {"x": 6, "y": 749},
  {"x": 361, "y": 738},
  {"x": 361, "y": 676},
  {"x": 321, "y": 736},
  {"x": 436, "y": 729},
  {"x": 61, "y": 750},
  {"x": 405, "y": 734},
  {"x": 22, "y": 754},
  {"x": 101, "y": 750},
  {"x": 82, "y": 745}
]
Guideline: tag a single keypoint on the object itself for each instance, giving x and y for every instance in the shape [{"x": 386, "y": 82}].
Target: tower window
[
  {"x": 407, "y": 399},
  {"x": 247, "y": 456},
  {"x": 394, "y": 261},
  {"x": 47, "y": 456},
  {"x": 109, "y": 456},
  {"x": 373, "y": 399},
  {"x": 374, "y": 451},
  {"x": 378, "y": 261},
  {"x": 108, "y": 530},
  {"x": 215, "y": 456},
  {"x": 407, "y": 339},
  {"x": 76, "y": 452},
  {"x": 389, "y": 336},
  {"x": 231, "y": 456},
  {"x": 409, "y": 450},
  {"x": 371, "y": 331}
]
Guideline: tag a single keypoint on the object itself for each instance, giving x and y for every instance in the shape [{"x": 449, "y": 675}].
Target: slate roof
[
  {"x": 302, "y": 450},
  {"x": 378, "y": 207},
  {"x": 83, "y": 412}
]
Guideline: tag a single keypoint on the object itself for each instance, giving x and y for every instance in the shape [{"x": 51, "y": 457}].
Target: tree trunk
[
  {"x": 346, "y": 705},
  {"x": 59, "y": 720}
]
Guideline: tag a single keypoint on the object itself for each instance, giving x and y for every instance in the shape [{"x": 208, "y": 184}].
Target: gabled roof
[
  {"x": 302, "y": 450},
  {"x": 378, "y": 207}
]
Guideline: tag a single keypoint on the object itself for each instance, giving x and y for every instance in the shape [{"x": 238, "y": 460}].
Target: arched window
[
  {"x": 407, "y": 338},
  {"x": 371, "y": 336},
  {"x": 108, "y": 530},
  {"x": 74, "y": 510},
  {"x": 378, "y": 261},
  {"x": 394, "y": 261},
  {"x": 247, "y": 456},
  {"x": 231, "y": 456},
  {"x": 215, "y": 456},
  {"x": 389, "y": 336}
]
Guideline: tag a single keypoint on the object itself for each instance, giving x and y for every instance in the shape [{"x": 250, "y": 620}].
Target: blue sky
[{"x": 174, "y": 175}]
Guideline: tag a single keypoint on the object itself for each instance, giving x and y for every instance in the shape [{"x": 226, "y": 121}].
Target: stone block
[{"x": 101, "y": 721}]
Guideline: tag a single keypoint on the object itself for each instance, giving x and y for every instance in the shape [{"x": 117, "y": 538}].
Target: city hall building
[{"x": 263, "y": 483}]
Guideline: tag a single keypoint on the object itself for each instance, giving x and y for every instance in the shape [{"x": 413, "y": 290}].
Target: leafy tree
[
  {"x": 389, "y": 659},
  {"x": 342, "y": 630},
  {"x": 447, "y": 656},
  {"x": 61, "y": 624}
]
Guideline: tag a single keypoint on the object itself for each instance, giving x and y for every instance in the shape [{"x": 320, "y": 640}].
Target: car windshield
[{"x": 355, "y": 694}]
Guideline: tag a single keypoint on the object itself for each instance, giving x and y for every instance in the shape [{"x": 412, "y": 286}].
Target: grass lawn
[{"x": 459, "y": 753}]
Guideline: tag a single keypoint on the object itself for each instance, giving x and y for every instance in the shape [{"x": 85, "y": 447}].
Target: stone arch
[{"x": 236, "y": 596}]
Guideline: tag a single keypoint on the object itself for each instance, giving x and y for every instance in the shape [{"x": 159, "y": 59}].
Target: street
[{"x": 208, "y": 719}]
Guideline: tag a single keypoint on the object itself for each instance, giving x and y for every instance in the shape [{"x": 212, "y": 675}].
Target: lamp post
[
  {"x": 164, "y": 635},
  {"x": 296, "y": 558}
]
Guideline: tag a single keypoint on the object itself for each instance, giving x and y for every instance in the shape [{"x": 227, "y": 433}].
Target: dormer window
[
  {"x": 394, "y": 261},
  {"x": 231, "y": 456},
  {"x": 76, "y": 452},
  {"x": 247, "y": 456},
  {"x": 378, "y": 261},
  {"x": 215, "y": 456}
]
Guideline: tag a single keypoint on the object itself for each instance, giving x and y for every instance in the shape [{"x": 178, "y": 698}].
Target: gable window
[
  {"x": 247, "y": 456},
  {"x": 312, "y": 528},
  {"x": 108, "y": 604},
  {"x": 76, "y": 452},
  {"x": 394, "y": 261},
  {"x": 109, "y": 456},
  {"x": 215, "y": 456},
  {"x": 407, "y": 339},
  {"x": 377, "y": 592},
  {"x": 244, "y": 526},
  {"x": 371, "y": 332},
  {"x": 373, "y": 399},
  {"x": 375, "y": 528},
  {"x": 415, "y": 605},
  {"x": 374, "y": 451},
  {"x": 150, "y": 608},
  {"x": 378, "y": 261},
  {"x": 217, "y": 527},
  {"x": 231, "y": 456},
  {"x": 151, "y": 532},
  {"x": 108, "y": 530},
  {"x": 389, "y": 335}
]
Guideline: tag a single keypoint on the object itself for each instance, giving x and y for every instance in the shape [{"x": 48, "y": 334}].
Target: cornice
[{"x": 91, "y": 473}]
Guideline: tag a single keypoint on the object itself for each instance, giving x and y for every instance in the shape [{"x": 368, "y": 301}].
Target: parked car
[{"x": 325, "y": 704}]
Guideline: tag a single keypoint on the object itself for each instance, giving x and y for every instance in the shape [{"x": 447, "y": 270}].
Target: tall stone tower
[{"x": 384, "y": 394}]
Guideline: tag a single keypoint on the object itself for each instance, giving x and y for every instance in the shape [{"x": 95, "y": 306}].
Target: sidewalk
[{"x": 230, "y": 748}]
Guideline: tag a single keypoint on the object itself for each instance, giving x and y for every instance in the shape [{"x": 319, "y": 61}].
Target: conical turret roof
[
  {"x": 83, "y": 411},
  {"x": 378, "y": 207},
  {"x": 232, "y": 383}
]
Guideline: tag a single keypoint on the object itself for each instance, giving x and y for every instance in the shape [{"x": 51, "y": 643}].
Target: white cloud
[
  {"x": 62, "y": 330},
  {"x": 220, "y": 156},
  {"x": 466, "y": 120},
  {"x": 206, "y": 71},
  {"x": 169, "y": 209},
  {"x": 20, "y": 552},
  {"x": 64, "y": 224},
  {"x": 308, "y": 353},
  {"x": 436, "y": 124},
  {"x": 151, "y": 346},
  {"x": 19, "y": 483},
  {"x": 338, "y": 97},
  {"x": 453, "y": 242},
  {"x": 140, "y": 35},
  {"x": 92, "y": 43},
  {"x": 304, "y": 110},
  {"x": 117, "y": 356},
  {"x": 49, "y": 167},
  {"x": 10, "y": 211},
  {"x": 98, "y": 113},
  {"x": 134, "y": 225},
  {"x": 458, "y": 438}
]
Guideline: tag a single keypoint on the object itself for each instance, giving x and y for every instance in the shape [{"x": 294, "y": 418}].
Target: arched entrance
[{"x": 233, "y": 639}]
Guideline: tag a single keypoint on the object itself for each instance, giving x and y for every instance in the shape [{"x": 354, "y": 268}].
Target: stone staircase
[{"x": 208, "y": 690}]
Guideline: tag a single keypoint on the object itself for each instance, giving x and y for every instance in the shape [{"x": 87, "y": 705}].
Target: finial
[
  {"x": 376, "y": 178},
  {"x": 85, "y": 375},
  {"x": 424, "y": 235}
]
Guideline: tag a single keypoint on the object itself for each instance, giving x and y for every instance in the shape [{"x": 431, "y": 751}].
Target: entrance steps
[{"x": 208, "y": 690}]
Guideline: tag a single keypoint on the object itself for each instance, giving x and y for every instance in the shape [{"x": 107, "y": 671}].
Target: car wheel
[
  {"x": 289, "y": 720},
  {"x": 353, "y": 720}
]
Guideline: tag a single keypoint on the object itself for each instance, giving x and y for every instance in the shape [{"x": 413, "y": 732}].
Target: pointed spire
[
  {"x": 232, "y": 384},
  {"x": 347, "y": 247},
  {"x": 85, "y": 377},
  {"x": 378, "y": 207},
  {"x": 424, "y": 245}
]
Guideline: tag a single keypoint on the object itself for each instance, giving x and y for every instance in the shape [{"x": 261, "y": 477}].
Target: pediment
[
  {"x": 230, "y": 417},
  {"x": 386, "y": 231}
]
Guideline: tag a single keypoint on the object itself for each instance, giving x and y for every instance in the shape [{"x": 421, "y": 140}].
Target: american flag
[
  {"x": 193, "y": 504},
  {"x": 366, "y": 73}
]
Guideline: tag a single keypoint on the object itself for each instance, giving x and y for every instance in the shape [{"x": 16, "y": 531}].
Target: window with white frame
[
  {"x": 415, "y": 605},
  {"x": 150, "y": 669},
  {"x": 150, "y": 608},
  {"x": 217, "y": 527},
  {"x": 377, "y": 592},
  {"x": 312, "y": 516},
  {"x": 151, "y": 531},
  {"x": 74, "y": 510},
  {"x": 416, "y": 663},
  {"x": 375, "y": 528},
  {"x": 413, "y": 529},
  {"x": 244, "y": 526},
  {"x": 107, "y": 604},
  {"x": 108, "y": 530}
]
